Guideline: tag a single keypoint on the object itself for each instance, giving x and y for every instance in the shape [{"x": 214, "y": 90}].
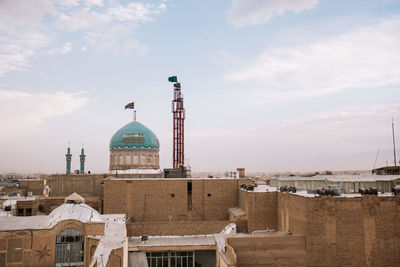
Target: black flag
[{"x": 130, "y": 106}]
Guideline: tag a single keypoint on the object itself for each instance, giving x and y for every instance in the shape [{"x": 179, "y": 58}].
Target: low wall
[
  {"x": 279, "y": 250},
  {"x": 175, "y": 228}
]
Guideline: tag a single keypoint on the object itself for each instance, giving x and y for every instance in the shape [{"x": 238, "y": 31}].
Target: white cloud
[
  {"x": 65, "y": 49},
  {"x": 12, "y": 11},
  {"x": 111, "y": 28},
  {"x": 117, "y": 40},
  {"x": 24, "y": 33},
  {"x": 365, "y": 58},
  {"x": 18, "y": 47},
  {"x": 254, "y": 12},
  {"x": 20, "y": 34},
  {"x": 68, "y": 3},
  {"x": 136, "y": 11},
  {"x": 24, "y": 113},
  {"x": 83, "y": 20},
  {"x": 95, "y": 2}
]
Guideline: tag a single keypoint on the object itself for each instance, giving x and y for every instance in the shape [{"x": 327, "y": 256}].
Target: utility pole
[{"x": 394, "y": 144}]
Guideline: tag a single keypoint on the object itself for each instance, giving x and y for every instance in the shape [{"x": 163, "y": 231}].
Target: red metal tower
[{"x": 178, "y": 112}]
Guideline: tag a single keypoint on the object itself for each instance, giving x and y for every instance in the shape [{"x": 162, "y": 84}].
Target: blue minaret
[
  {"x": 68, "y": 157},
  {"x": 82, "y": 157}
]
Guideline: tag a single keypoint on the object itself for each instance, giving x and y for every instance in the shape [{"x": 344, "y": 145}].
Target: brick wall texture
[
  {"x": 363, "y": 231},
  {"x": 168, "y": 200}
]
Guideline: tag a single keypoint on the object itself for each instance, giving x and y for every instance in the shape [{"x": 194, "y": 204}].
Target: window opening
[
  {"x": 28, "y": 212},
  {"x": 171, "y": 259},
  {"x": 20, "y": 212},
  {"x": 69, "y": 248},
  {"x": 189, "y": 195}
]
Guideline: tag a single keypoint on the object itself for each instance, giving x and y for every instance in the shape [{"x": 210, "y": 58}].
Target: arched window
[
  {"x": 69, "y": 248},
  {"x": 135, "y": 159},
  {"x": 128, "y": 159},
  {"x": 143, "y": 160},
  {"x": 121, "y": 160},
  {"x": 149, "y": 160},
  {"x": 115, "y": 160}
]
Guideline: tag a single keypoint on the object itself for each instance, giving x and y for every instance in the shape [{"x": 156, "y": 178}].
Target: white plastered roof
[{"x": 80, "y": 212}]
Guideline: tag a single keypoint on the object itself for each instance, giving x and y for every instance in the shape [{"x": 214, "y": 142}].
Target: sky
[{"x": 288, "y": 85}]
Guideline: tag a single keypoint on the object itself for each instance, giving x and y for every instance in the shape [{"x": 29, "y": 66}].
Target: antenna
[
  {"x": 394, "y": 144},
  {"x": 377, "y": 154},
  {"x": 178, "y": 112}
]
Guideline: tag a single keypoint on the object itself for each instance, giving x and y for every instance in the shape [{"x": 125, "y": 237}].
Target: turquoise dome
[{"x": 134, "y": 135}]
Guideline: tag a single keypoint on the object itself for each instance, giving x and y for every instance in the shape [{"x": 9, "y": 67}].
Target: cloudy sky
[{"x": 288, "y": 85}]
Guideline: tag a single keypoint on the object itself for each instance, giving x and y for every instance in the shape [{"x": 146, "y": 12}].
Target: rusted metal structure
[{"x": 178, "y": 112}]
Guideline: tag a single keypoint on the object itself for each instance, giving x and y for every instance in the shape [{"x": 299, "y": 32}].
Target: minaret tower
[
  {"x": 68, "y": 156},
  {"x": 82, "y": 158}
]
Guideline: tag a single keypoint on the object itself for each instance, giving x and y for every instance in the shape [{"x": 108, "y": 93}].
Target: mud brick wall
[
  {"x": 284, "y": 250},
  {"x": 362, "y": 231},
  {"x": 167, "y": 200},
  {"x": 34, "y": 186},
  {"x": 260, "y": 208},
  {"x": 83, "y": 184},
  {"x": 292, "y": 213}
]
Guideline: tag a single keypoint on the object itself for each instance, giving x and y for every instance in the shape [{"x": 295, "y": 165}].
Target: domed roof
[
  {"x": 134, "y": 135},
  {"x": 80, "y": 212}
]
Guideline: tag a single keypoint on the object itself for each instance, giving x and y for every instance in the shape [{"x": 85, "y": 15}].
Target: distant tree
[{"x": 328, "y": 173}]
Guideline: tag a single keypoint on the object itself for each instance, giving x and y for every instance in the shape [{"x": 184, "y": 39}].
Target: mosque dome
[
  {"x": 134, "y": 146},
  {"x": 134, "y": 135}
]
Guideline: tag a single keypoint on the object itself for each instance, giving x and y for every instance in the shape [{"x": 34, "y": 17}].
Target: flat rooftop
[
  {"x": 172, "y": 179},
  {"x": 172, "y": 241},
  {"x": 339, "y": 178},
  {"x": 304, "y": 193}
]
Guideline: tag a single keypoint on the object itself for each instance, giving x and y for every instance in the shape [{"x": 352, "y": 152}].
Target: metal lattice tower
[{"x": 178, "y": 112}]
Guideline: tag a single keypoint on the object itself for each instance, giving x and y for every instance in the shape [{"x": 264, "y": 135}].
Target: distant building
[
  {"x": 134, "y": 147},
  {"x": 388, "y": 170},
  {"x": 348, "y": 183}
]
